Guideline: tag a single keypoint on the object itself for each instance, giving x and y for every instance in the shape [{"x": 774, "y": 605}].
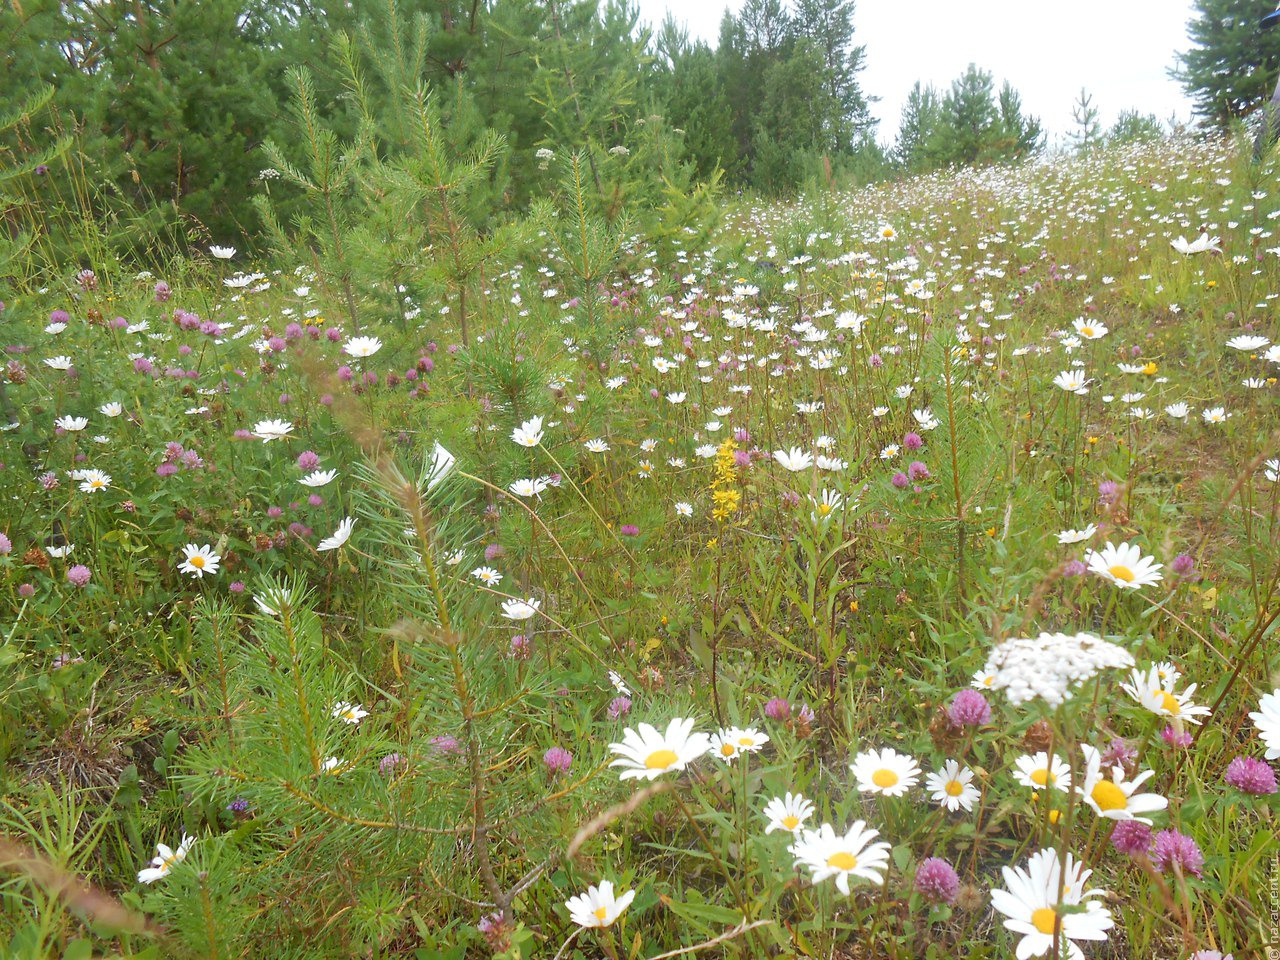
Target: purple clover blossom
[
  {"x": 619, "y": 707},
  {"x": 936, "y": 881},
  {"x": 969, "y": 708},
  {"x": 558, "y": 760},
  {"x": 1131, "y": 838},
  {"x": 79, "y": 575},
  {"x": 777, "y": 709},
  {"x": 1174, "y": 850},
  {"x": 1252, "y": 776},
  {"x": 1178, "y": 739},
  {"x": 1119, "y": 753}
]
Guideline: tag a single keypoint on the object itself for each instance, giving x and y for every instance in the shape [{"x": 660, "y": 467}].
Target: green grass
[{"x": 147, "y": 703}]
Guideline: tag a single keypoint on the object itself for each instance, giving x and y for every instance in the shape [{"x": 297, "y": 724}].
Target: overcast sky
[{"x": 1119, "y": 50}]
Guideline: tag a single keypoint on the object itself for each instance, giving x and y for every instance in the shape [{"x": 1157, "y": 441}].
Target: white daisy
[
  {"x": 885, "y": 772},
  {"x": 1046, "y": 904},
  {"x": 340, "y": 536},
  {"x": 1125, "y": 566},
  {"x": 646, "y": 754},
  {"x": 1267, "y": 721},
  {"x": 787, "y": 813},
  {"x": 952, "y": 786},
  {"x": 598, "y": 907},
  {"x": 853, "y": 854},
  {"x": 351, "y": 713},
  {"x": 1114, "y": 796},
  {"x": 165, "y": 860},
  {"x": 199, "y": 560}
]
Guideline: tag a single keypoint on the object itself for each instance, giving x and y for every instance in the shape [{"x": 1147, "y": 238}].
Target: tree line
[{"x": 171, "y": 105}]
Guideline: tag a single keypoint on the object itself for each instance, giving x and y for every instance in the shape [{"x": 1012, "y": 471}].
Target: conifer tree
[{"x": 1231, "y": 65}]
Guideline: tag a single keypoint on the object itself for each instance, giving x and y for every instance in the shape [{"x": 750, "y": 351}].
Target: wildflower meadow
[{"x": 880, "y": 571}]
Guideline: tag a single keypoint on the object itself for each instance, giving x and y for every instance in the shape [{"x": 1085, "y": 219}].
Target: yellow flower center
[
  {"x": 745, "y": 742},
  {"x": 601, "y": 913},
  {"x": 791, "y": 821},
  {"x": 954, "y": 788},
  {"x": 842, "y": 860},
  {"x": 197, "y": 561},
  {"x": 1045, "y": 920},
  {"x": 824, "y": 508},
  {"x": 1043, "y": 777},
  {"x": 1121, "y": 572},
  {"x": 1168, "y": 702},
  {"x": 726, "y": 750},
  {"x": 661, "y": 760},
  {"x": 884, "y": 779},
  {"x": 1108, "y": 796},
  {"x": 1087, "y": 331}
]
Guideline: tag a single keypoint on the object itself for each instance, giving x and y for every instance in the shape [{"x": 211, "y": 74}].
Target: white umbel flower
[{"x": 1050, "y": 666}]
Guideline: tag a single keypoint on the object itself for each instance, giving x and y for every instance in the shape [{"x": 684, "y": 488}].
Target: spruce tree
[
  {"x": 1231, "y": 66},
  {"x": 1088, "y": 131},
  {"x": 920, "y": 117}
]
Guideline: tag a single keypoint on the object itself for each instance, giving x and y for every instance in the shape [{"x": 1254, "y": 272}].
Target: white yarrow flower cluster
[{"x": 1048, "y": 666}]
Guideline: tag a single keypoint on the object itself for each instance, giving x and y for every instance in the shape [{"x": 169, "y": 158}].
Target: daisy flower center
[
  {"x": 726, "y": 750},
  {"x": 1121, "y": 572},
  {"x": 842, "y": 860},
  {"x": 1169, "y": 702},
  {"x": 745, "y": 742},
  {"x": 197, "y": 562},
  {"x": 954, "y": 788},
  {"x": 884, "y": 779},
  {"x": 661, "y": 759},
  {"x": 824, "y": 508},
  {"x": 601, "y": 913},
  {"x": 1045, "y": 920},
  {"x": 1087, "y": 331},
  {"x": 1042, "y": 778},
  {"x": 791, "y": 821},
  {"x": 1108, "y": 796}
]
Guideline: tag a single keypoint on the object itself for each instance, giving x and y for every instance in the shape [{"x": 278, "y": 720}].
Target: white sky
[{"x": 1119, "y": 50}]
